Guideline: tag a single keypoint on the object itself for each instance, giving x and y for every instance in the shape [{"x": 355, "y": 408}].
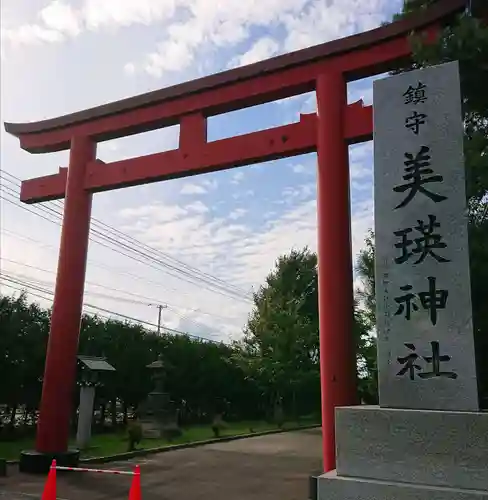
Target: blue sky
[{"x": 62, "y": 56}]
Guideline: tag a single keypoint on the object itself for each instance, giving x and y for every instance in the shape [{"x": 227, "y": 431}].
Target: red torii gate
[{"x": 324, "y": 68}]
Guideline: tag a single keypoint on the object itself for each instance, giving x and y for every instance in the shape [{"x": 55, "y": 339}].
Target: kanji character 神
[{"x": 432, "y": 300}]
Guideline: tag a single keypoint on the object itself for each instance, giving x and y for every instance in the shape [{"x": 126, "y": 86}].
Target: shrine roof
[{"x": 440, "y": 11}]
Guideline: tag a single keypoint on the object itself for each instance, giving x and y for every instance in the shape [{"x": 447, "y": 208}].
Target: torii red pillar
[
  {"x": 57, "y": 387},
  {"x": 337, "y": 356}
]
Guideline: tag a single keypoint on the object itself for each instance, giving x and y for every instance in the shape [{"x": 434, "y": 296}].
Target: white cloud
[
  {"x": 307, "y": 169},
  {"x": 238, "y": 213},
  {"x": 114, "y": 13},
  {"x": 297, "y": 192},
  {"x": 298, "y": 169},
  {"x": 28, "y": 34},
  {"x": 157, "y": 212},
  {"x": 57, "y": 20},
  {"x": 197, "y": 207},
  {"x": 264, "y": 48},
  {"x": 319, "y": 23},
  {"x": 245, "y": 254},
  {"x": 171, "y": 55},
  {"x": 243, "y": 194},
  {"x": 61, "y": 17},
  {"x": 210, "y": 183},
  {"x": 129, "y": 68},
  {"x": 237, "y": 177},
  {"x": 192, "y": 189},
  {"x": 194, "y": 26},
  {"x": 226, "y": 24},
  {"x": 361, "y": 153}
]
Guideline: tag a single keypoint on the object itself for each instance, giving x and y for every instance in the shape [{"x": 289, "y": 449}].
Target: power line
[
  {"x": 173, "y": 264},
  {"x": 50, "y": 212},
  {"x": 93, "y": 262},
  {"x": 51, "y": 284},
  {"x": 95, "y": 237},
  {"x": 96, "y": 231},
  {"x": 37, "y": 283},
  {"x": 145, "y": 300},
  {"x": 29, "y": 287}
]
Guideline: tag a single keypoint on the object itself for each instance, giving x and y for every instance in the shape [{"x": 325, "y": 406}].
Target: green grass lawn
[{"x": 112, "y": 443}]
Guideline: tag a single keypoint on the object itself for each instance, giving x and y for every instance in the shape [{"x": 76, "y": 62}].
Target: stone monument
[
  {"x": 427, "y": 439},
  {"x": 157, "y": 415}
]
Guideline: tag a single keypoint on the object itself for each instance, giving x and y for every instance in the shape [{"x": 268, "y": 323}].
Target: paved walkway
[{"x": 262, "y": 468}]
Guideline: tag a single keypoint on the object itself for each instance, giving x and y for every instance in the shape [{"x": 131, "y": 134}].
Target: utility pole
[{"x": 160, "y": 308}]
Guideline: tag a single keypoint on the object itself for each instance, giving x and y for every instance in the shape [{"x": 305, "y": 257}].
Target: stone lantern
[{"x": 158, "y": 416}]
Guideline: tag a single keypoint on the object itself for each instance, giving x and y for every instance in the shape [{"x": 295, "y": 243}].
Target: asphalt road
[{"x": 262, "y": 468}]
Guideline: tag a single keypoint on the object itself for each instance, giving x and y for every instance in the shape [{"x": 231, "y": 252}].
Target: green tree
[
  {"x": 281, "y": 341},
  {"x": 280, "y": 349},
  {"x": 202, "y": 378},
  {"x": 24, "y": 331},
  {"x": 365, "y": 270},
  {"x": 411, "y": 6}
]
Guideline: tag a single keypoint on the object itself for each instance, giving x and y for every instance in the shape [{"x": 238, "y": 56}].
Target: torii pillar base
[{"x": 35, "y": 462}]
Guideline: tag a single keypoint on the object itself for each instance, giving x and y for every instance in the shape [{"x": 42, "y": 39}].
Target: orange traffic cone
[
  {"x": 49, "y": 492},
  {"x": 135, "y": 488}
]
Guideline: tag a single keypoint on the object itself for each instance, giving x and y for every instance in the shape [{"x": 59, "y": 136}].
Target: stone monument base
[
  {"x": 387, "y": 453},
  {"x": 34, "y": 462},
  {"x": 334, "y": 487},
  {"x": 158, "y": 416},
  {"x": 153, "y": 429}
]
